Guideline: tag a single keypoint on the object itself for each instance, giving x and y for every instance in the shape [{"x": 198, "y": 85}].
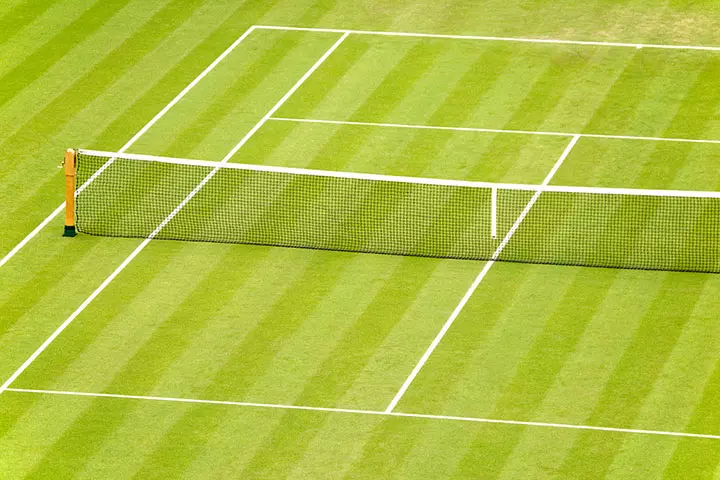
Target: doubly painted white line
[
  {"x": 157, "y": 230},
  {"x": 365, "y": 412},
  {"x": 497, "y": 130},
  {"x": 495, "y": 39},
  {"x": 469, "y": 293},
  {"x": 127, "y": 145}
]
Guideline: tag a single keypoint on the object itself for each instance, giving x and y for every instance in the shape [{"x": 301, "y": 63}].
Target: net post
[
  {"x": 493, "y": 206},
  {"x": 69, "y": 193}
]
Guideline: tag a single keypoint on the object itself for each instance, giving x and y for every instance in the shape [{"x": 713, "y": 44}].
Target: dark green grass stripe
[
  {"x": 693, "y": 458},
  {"x": 487, "y": 452},
  {"x": 218, "y": 111},
  {"x": 167, "y": 343},
  {"x": 563, "y": 67},
  {"x": 342, "y": 145},
  {"x": 616, "y": 113},
  {"x": 55, "y": 361},
  {"x": 76, "y": 338},
  {"x": 399, "y": 80},
  {"x": 139, "y": 374},
  {"x": 261, "y": 345},
  {"x": 312, "y": 93},
  {"x": 170, "y": 339},
  {"x": 338, "y": 372},
  {"x": 251, "y": 358},
  {"x": 697, "y": 111},
  {"x": 468, "y": 93},
  {"x": 700, "y": 104},
  {"x": 460, "y": 103},
  {"x": 536, "y": 375},
  {"x": 281, "y": 450},
  {"x": 129, "y": 121},
  {"x": 101, "y": 77},
  {"x": 447, "y": 366},
  {"x": 20, "y": 16},
  {"x": 387, "y": 448},
  {"x": 82, "y": 440},
  {"x": 57, "y": 47},
  {"x": 181, "y": 74},
  {"x": 633, "y": 379},
  {"x": 548, "y": 89},
  {"x": 25, "y": 296}
]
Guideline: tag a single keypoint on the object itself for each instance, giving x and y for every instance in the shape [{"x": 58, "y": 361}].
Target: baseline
[
  {"x": 129, "y": 143},
  {"x": 368, "y": 412},
  {"x": 162, "y": 225},
  {"x": 453, "y": 316},
  {"x": 495, "y": 39},
  {"x": 496, "y": 130}
]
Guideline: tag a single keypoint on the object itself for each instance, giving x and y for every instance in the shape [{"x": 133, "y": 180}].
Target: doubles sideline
[{"x": 369, "y": 412}]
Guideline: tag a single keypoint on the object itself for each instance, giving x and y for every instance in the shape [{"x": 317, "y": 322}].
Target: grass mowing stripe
[
  {"x": 698, "y": 460},
  {"x": 39, "y": 61},
  {"x": 641, "y": 364},
  {"x": 20, "y": 15},
  {"x": 548, "y": 89},
  {"x": 129, "y": 143},
  {"x": 406, "y": 72},
  {"x": 142, "y": 246},
  {"x": 217, "y": 111},
  {"x": 368, "y": 412}
]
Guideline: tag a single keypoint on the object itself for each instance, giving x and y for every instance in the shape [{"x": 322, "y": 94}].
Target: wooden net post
[{"x": 69, "y": 193}]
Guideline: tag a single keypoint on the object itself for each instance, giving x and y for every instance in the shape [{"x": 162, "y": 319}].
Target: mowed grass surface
[{"x": 229, "y": 322}]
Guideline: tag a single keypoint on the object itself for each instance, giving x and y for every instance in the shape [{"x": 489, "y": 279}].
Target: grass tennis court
[{"x": 209, "y": 360}]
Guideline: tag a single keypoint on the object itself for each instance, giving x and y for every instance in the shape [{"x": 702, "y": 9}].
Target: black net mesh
[{"x": 131, "y": 198}]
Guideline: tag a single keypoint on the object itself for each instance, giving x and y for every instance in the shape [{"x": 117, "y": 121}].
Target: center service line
[
  {"x": 438, "y": 338},
  {"x": 177, "y": 210}
]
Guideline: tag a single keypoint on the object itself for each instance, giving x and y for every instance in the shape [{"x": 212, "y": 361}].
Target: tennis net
[{"x": 141, "y": 196}]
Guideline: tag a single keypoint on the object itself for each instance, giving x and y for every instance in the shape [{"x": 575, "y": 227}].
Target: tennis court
[{"x": 217, "y": 360}]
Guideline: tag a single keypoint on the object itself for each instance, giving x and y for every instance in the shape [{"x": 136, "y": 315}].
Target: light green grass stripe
[
  {"x": 40, "y": 30},
  {"x": 18, "y": 16},
  {"x": 39, "y": 61}
]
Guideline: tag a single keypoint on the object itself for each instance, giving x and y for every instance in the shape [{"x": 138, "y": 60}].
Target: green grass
[{"x": 615, "y": 348}]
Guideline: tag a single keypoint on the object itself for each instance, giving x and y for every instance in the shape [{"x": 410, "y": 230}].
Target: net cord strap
[{"x": 407, "y": 180}]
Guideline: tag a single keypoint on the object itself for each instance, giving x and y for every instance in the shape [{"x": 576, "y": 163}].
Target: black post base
[{"x": 69, "y": 231}]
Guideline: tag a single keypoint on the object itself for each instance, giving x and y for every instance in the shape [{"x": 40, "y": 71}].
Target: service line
[
  {"x": 494, "y": 39},
  {"x": 496, "y": 130},
  {"x": 366, "y": 412}
]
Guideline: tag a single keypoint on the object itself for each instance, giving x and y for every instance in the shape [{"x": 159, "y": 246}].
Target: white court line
[
  {"x": 177, "y": 209},
  {"x": 438, "y": 338},
  {"x": 495, "y": 39},
  {"x": 404, "y": 179},
  {"x": 496, "y": 130},
  {"x": 129, "y": 143},
  {"x": 367, "y": 412}
]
